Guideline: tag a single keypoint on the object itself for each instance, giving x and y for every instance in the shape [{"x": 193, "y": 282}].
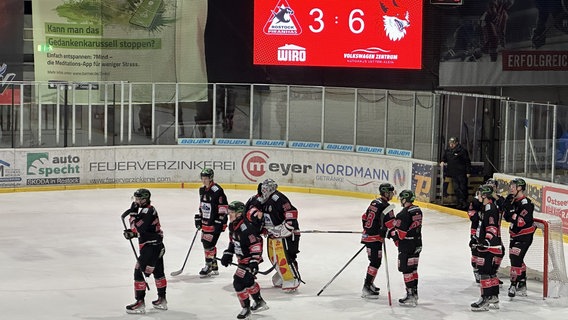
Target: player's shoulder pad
[
  {"x": 414, "y": 208},
  {"x": 487, "y": 206},
  {"x": 525, "y": 201},
  {"x": 275, "y": 196},
  {"x": 215, "y": 188},
  {"x": 243, "y": 227}
]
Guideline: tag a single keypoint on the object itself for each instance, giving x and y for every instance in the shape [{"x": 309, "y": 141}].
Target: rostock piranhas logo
[{"x": 253, "y": 165}]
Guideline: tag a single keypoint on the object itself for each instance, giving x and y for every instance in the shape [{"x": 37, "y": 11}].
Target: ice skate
[
  {"x": 244, "y": 314},
  {"x": 214, "y": 268},
  {"x": 259, "y": 305},
  {"x": 493, "y": 302},
  {"x": 522, "y": 288},
  {"x": 161, "y": 303},
  {"x": 512, "y": 290},
  {"x": 137, "y": 307},
  {"x": 481, "y": 305},
  {"x": 411, "y": 299},
  {"x": 370, "y": 292},
  {"x": 206, "y": 271}
]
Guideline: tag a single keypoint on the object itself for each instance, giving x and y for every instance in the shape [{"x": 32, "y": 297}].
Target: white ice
[{"x": 63, "y": 256}]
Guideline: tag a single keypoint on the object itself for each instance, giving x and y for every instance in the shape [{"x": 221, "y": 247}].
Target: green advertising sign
[{"x": 121, "y": 41}]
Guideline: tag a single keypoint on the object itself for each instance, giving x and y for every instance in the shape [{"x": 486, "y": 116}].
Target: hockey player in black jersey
[
  {"x": 211, "y": 219},
  {"x": 490, "y": 250},
  {"x": 407, "y": 236},
  {"x": 246, "y": 244},
  {"x": 375, "y": 225},
  {"x": 473, "y": 213},
  {"x": 475, "y": 207},
  {"x": 518, "y": 211},
  {"x": 145, "y": 226}
]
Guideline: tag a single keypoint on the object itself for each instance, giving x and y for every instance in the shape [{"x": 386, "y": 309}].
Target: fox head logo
[{"x": 395, "y": 22}]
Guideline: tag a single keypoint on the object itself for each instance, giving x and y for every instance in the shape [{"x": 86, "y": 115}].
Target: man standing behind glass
[{"x": 458, "y": 170}]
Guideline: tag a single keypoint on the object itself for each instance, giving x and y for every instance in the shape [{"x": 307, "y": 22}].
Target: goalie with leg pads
[
  {"x": 281, "y": 226},
  {"x": 375, "y": 224}
]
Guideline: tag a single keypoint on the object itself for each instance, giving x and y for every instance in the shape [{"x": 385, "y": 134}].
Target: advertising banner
[
  {"x": 555, "y": 202},
  {"x": 320, "y": 169},
  {"x": 119, "y": 40},
  {"x": 11, "y": 46},
  {"x": 507, "y": 43}
]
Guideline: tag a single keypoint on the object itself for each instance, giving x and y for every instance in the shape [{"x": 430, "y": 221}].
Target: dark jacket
[{"x": 457, "y": 160}]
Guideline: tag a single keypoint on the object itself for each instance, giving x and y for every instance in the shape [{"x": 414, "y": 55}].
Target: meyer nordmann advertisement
[{"x": 121, "y": 40}]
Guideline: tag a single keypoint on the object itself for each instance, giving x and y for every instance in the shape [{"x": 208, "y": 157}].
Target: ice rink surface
[{"x": 63, "y": 257}]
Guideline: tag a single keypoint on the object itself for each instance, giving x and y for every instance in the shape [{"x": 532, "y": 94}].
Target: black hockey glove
[
  {"x": 253, "y": 267},
  {"x": 220, "y": 224},
  {"x": 472, "y": 241},
  {"x": 197, "y": 221},
  {"x": 227, "y": 258},
  {"x": 129, "y": 234}
]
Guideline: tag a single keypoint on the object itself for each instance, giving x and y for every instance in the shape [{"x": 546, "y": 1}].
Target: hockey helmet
[
  {"x": 493, "y": 182},
  {"x": 237, "y": 206},
  {"x": 385, "y": 188},
  {"x": 453, "y": 140},
  {"x": 407, "y": 196},
  {"x": 519, "y": 182},
  {"x": 207, "y": 172},
  {"x": 486, "y": 190},
  {"x": 142, "y": 194}
]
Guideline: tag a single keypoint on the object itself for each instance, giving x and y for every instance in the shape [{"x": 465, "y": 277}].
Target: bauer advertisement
[{"x": 119, "y": 40}]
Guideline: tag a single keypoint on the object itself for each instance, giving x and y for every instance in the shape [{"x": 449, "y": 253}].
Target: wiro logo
[{"x": 253, "y": 165}]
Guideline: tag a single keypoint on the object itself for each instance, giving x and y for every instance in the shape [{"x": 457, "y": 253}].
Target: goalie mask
[{"x": 268, "y": 187}]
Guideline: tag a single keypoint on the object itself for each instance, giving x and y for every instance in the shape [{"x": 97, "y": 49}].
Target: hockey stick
[
  {"x": 385, "y": 211},
  {"x": 387, "y": 270},
  {"x": 122, "y": 216},
  {"x": 293, "y": 267},
  {"x": 329, "y": 231},
  {"x": 261, "y": 272},
  {"x": 177, "y": 273},
  {"x": 345, "y": 266}
]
